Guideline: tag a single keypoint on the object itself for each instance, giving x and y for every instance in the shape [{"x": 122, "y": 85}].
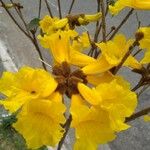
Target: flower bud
[
  {"x": 92, "y": 18},
  {"x": 139, "y": 36},
  {"x": 8, "y": 6},
  {"x": 89, "y": 18},
  {"x": 60, "y": 23}
]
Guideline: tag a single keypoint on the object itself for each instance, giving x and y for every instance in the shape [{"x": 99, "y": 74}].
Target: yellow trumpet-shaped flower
[
  {"x": 41, "y": 111},
  {"x": 39, "y": 121},
  {"x": 51, "y": 25},
  {"x": 137, "y": 4},
  {"x": 25, "y": 85},
  {"x": 120, "y": 99},
  {"x": 62, "y": 50},
  {"x": 145, "y": 43},
  {"x": 92, "y": 126},
  {"x": 112, "y": 53}
]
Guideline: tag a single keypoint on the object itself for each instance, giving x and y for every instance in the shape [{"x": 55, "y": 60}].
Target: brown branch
[
  {"x": 39, "y": 12},
  {"x": 34, "y": 41},
  {"x": 14, "y": 20},
  {"x": 18, "y": 11},
  {"x": 103, "y": 20},
  {"x": 122, "y": 23},
  {"x": 48, "y": 8},
  {"x": 125, "y": 57},
  {"x": 140, "y": 83},
  {"x": 143, "y": 89},
  {"x": 137, "y": 52},
  {"x": 71, "y": 6},
  {"x": 59, "y": 9},
  {"x": 67, "y": 127},
  {"x": 97, "y": 31},
  {"x": 111, "y": 30},
  {"x": 138, "y": 114}
]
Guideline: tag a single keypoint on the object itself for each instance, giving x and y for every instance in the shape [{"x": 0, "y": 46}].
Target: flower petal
[
  {"x": 90, "y": 95},
  {"x": 99, "y": 66},
  {"x": 79, "y": 59},
  {"x": 39, "y": 123}
]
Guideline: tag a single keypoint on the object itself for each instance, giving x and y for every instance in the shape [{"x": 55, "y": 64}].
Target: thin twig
[
  {"x": 67, "y": 127},
  {"x": 97, "y": 30},
  {"x": 39, "y": 12},
  {"x": 125, "y": 56},
  {"x": 71, "y": 6},
  {"x": 139, "y": 22},
  {"x": 21, "y": 17},
  {"x": 137, "y": 52},
  {"x": 122, "y": 23},
  {"x": 140, "y": 83},
  {"x": 111, "y": 30},
  {"x": 14, "y": 20},
  {"x": 138, "y": 114},
  {"x": 59, "y": 9},
  {"x": 103, "y": 20},
  {"x": 48, "y": 8},
  {"x": 34, "y": 41},
  {"x": 143, "y": 89}
]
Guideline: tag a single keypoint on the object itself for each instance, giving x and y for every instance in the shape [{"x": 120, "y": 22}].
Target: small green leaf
[
  {"x": 34, "y": 23},
  {"x": 9, "y": 120},
  {"x": 43, "y": 148}
]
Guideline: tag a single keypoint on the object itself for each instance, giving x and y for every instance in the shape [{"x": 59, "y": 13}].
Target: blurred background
[{"x": 16, "y": 50}]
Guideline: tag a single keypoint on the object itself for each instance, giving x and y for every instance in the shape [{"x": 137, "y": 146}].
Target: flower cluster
[{"x": 100, "y": 101}]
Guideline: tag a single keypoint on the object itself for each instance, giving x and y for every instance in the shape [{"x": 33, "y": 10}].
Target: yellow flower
[
  {"x": 81, "y": 42},
  {"x": 25, "y": 85},
  {"x": 146, "y": 118},
  {"x": 120, "y": 99},
  {"x": 92, "y": 126},
  {"x": 145, "y": 43},
  {"x": 121, "y": 4},
  {"x": 62, "y": 51},
  {"x": 85, "y": 19},
  {"x": 146, "y": 58},
  {"x": 106, "y": 77},
  {"x": 112, "y": 53},
  {"x": 39, "y": 121},
  {"x": 51, "y": 25},
  {"x": 41, "y": 110}
]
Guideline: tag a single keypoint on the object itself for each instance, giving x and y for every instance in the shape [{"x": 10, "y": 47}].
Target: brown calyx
[
  {"x": 73, "y": 20},
  {"x": 67, "y": 80}
]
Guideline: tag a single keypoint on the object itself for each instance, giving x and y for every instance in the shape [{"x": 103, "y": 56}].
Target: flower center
[{"x": 67, "y": 79}]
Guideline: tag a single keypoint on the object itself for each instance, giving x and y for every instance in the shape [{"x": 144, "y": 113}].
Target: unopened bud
[
  {"x": 94, "y": 17},
  {"x": 139, "y": 36},
  {"x": 83, "y": 20},
  {"x": 9, "y": 6}
]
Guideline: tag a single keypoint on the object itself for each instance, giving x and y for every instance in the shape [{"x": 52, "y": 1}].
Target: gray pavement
[{"x": 22, "y": 52}]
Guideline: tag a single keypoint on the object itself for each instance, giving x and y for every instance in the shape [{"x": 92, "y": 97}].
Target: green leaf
[
  {"x": 34, "y": 23},
  {"x": 43, "y": 148},
  {"x": 8, "y": 120}
]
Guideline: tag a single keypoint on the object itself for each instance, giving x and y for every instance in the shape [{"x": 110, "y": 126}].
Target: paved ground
[{"x": 22, "y": 52}]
